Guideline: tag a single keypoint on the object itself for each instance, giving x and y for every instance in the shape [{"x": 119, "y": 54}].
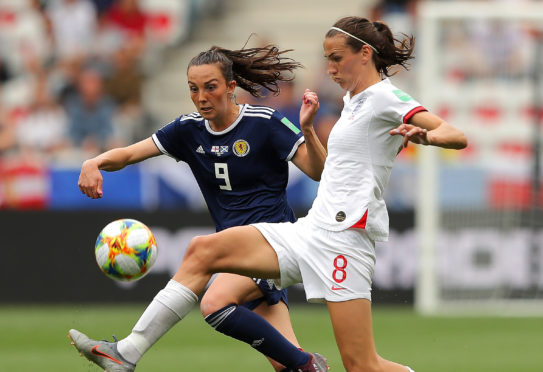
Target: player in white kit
[{"x": 332, "y": 250}]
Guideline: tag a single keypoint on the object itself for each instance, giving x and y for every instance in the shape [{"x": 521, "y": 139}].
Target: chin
[{"x": 207, "y": 115}]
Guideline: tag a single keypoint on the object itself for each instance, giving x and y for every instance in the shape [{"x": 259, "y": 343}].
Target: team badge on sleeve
[
  {"x": 402, "y": 95},
  {"x": 241, "y": 148}
]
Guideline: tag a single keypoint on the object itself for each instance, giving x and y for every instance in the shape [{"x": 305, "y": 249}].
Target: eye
[
  {"x": 211, "y": 87},
  {"x": 193, "y": 89}
]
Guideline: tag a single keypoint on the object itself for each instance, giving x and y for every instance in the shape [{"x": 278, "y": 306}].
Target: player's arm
[
  {"x": 90, "y": 178},
  {"x": 311, "y": 155},
  {"x": 428, "y": 129}
]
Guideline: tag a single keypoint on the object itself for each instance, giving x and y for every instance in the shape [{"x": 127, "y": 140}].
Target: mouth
[{"x": 205, "y": 110}]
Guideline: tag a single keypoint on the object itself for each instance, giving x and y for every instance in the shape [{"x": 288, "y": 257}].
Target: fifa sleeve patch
[
  {"x": 290, "y": 126},
  {"x": 404, "y": 97}
]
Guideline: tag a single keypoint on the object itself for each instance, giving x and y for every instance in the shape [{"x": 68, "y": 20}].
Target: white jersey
[{"x": 361, "y": 153}]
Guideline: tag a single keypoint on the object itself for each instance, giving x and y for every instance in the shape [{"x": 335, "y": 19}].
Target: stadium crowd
[
  {"x": 71, "y": 80},
  {"x": 72, "y": 77}
]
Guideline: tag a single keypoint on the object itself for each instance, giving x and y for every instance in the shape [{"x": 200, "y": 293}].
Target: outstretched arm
[
  {"x": 428, "y": 129},
  {"x": 310, "y": 156},
  {"x": 90, "y": 178}
]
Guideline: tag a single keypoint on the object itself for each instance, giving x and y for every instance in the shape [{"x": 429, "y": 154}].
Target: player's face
[
  {"x": 345, "y": 66},
  {"x": 209, "y": 91}
]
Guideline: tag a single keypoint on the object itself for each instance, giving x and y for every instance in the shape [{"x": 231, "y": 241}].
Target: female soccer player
[
  {"x": 332, "y": 249},
  {"x": 239, "y": 156}
]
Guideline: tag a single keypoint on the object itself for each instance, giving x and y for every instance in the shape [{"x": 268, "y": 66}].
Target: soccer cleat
[
  {"x": 102, "y": 353},
  {"x": 316, "y": 363}
]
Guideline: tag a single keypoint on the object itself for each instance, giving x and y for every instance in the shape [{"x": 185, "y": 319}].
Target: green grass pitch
[{"x": 34, "y": 338}]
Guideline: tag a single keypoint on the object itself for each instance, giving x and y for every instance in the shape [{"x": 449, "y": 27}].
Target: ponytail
[
  {"x": 390, "y": 51},
  {"x": 252, "y": 68}
]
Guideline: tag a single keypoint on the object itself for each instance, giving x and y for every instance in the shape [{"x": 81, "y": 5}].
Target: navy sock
[{"x": 244, "y": 325}]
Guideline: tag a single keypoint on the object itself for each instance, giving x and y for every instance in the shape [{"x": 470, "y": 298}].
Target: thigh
[
  {"x": 241, "y": 250},
  {"x": 229, "y": 289}
]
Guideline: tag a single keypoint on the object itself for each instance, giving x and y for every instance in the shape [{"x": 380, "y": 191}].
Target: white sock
[
  {"x": 169, "y": 306},
  {"x": 409, "y": 369}
]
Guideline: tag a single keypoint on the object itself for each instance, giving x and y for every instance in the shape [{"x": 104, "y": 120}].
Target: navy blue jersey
[{"x": 243, "y": 170}]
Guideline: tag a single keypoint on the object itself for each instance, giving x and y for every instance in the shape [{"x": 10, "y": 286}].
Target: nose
[
  {"x": 202, "y": 96},
  {"x": 332, "y": 69}
]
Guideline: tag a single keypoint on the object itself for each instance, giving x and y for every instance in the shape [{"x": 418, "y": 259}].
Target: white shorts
[{"x": 333, "y": 265}]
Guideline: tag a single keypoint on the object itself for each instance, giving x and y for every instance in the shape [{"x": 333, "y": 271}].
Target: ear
[
  {"x": 231, "y": 87},
  {"x": 366, "y": 53}
]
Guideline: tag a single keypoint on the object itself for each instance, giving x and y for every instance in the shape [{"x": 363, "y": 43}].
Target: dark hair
[
  {"x": 252, "y": 68},
  {"x": 390, "y": 50}
]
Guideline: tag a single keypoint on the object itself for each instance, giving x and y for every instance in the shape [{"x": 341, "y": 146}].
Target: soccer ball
[{"x": 125, "y": 249}]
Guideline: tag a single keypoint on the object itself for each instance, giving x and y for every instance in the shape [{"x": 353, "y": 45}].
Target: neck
[
  {"x": 364, "y": 83},
  {"x": 220, "y": 124}
]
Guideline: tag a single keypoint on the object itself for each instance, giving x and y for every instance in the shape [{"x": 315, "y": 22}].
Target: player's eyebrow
[
  {"x": 329, "y": 55},
  {"x": 205, "y": 82}
]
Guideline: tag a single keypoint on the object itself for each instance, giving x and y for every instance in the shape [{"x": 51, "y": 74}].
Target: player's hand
[
  {"x": 310, "y": 106},
  {"x": 411, "y": 133},
  {"x": 90, "y": 180}
]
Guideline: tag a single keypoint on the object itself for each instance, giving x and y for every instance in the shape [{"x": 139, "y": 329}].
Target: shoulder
[
  {"x": 263, "y": 112},
  {"x": 192, "y": 118},
  {"x": 391, "y": 93},
  {"x": 186, "y": 121}
]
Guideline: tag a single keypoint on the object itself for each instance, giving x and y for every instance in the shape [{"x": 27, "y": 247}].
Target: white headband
[{"x": 354, "y": 37}]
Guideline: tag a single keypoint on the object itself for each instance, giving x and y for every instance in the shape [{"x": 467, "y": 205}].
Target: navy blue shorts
[{"x": 271, "y": 294}]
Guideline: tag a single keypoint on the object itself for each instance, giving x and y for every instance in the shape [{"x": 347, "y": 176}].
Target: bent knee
[
  {"x": 211, "y": 303},
  {"x": 200, "y": 251}
]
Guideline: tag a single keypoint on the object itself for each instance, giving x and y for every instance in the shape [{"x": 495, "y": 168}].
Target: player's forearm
[
  {"x": 447, "y": 136},
  {"x": 112, "y": 160},
  {"x": 316, "y": 154}
]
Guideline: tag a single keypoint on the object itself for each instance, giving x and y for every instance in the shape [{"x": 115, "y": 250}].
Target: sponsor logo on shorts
[
  {"x": 334, "y": 288},
  {"x": 340, "y": 216}
]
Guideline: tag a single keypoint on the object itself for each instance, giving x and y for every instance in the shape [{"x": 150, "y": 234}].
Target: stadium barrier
[{"x": 49, "y": 256}]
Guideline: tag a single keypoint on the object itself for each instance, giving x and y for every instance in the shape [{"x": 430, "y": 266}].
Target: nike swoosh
[
  {"x": 99, "y": 353},
  {"x": 334, "y": 288}
]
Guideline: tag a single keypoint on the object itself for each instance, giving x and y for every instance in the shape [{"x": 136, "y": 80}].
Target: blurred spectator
[
  {"x": 286, "y": 102},
  {"x": 107, "y": 40},
  {"x": 125, "y": 82},
  {"x": 42, "y": 130},
  {"x": 7, "y": 132},
  {"x": 90, "y": 114},
  {"x": 397, "y": 14},
  {"x": 103, "y": 5},
  {"x": 23, "y": 33},
  {"x": 73, "y": 25},
  {"x": 125, "y": 86},
  {"x": 128, "y": 17}
]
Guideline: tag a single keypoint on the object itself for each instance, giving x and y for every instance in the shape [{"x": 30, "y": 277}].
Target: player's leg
[
  {"x": 241, "y": 249},
  {"x": 279, "y": 317},
  {"x": 352, "y": 325},
  {"x": 266, "y": 322}
]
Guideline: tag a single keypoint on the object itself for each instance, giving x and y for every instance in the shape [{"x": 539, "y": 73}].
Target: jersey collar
[
  {"x": 348, "y": 100},
  {"x": 231, "y": 127}
]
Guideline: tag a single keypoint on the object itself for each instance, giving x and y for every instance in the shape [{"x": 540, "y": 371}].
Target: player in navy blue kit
[{"x": 239, "y": 156}]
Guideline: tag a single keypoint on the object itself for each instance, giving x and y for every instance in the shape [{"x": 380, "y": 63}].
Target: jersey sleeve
[
  {"x": 398, "y": 107},
  {"x": 169, "y": 139},
  {"x": 285, "y": 136}
]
